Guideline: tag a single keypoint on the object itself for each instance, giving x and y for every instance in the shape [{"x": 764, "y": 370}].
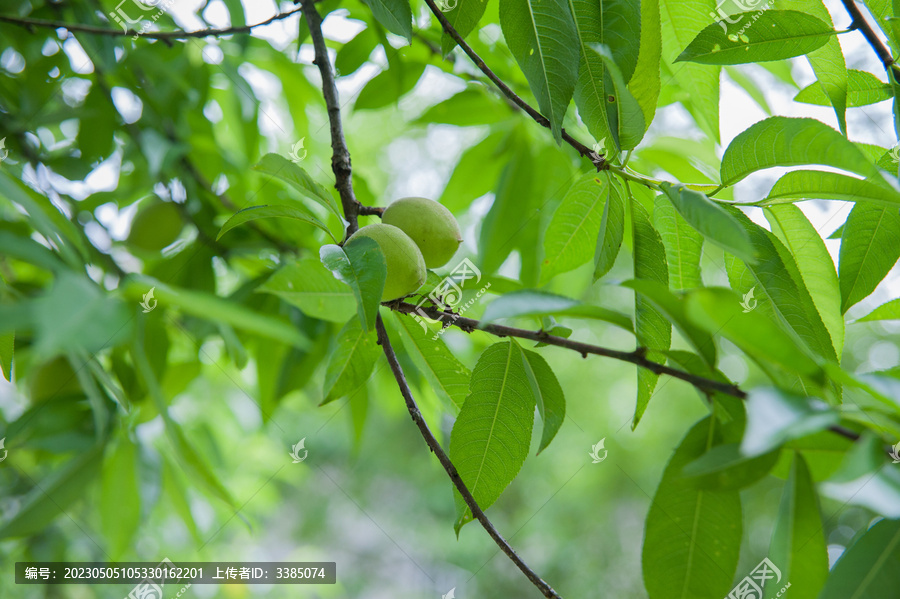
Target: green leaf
[
  {"x": 775, "y": 417},
  {"x": 308, "y": 285},
  {"x": 710, "y": 220},
  {"x": 785, "y": 141},
  {"x": 757, "y": 37},
  {"x": 395, "y": 15},
  {"x": 653, "y": 329},
  {"x": 888, "y": 311},
  {"x": 869, "y": 250},
  {"x": 356, "y": 52},
  {"x": 476, "y": 173},
  {"x": 672, "y": 308},
  {"x": 213, "y": 308},
  {"x": 360, "y": 264},
  {"x": 869, "y": 567},
  {"x": 617, "y": 24},
  {"x": 798, "y": 544},
  {"x": 351, "y": 362},
  {"x": 447, "y": 374},
  {"x": 624, "y": 114},
  {"x": 539, "y": 34},
  {"x": 256, "y": 212},
  {"x": 692, "y": 536},
  {"x": 285, "y": 170},
  {"x": 491, "y": 435},
  {"x": 7, "y": 352},
  {"x": 612, "y": 230},
  {"x": 54, "y": 495},
  {"x": 463, "y": 18},
  {"x": 529, "y": 302},
  {"x": 814, "y": 262},
  {"x": 569, "y": 239},
  {"x": 863, "y": 89},
  {"x": 475, "y": 105},
  {"x": 684, "y": 245},
  {"x": 680, "y": 23},
  {"x": 719, "y": 311},
  {"x": 386, "y": 88},
  {"x": 821, "y": 185},
  {"x": 724, "y": 467},
  {"x": 645, "y": 83},
  {"x": 548, "y": 395},
  {"x": 120, "y": 497}
]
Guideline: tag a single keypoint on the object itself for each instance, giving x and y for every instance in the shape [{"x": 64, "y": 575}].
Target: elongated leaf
[
  {"x": 612, "y": 230},
  {"x": 351, "y": 362},
  {"x": 692, "y": 536},
  {"x": 719, "y": 311},
  {"x": 464, "y": 17},
  {"x": 539, "y": 34},
  {"x": 798, "y": 545},
  {"x": 528, "y": 302},
  {"x": 681, "y": 22},
  {"x": 476, "y": 172},
  {"x": 285, "y": 170},
  {"x": 395, "y": 15},
  {"x": 490, "y": 438},
  {"x": 863, "y": 89},
  {"x": 887, "y": 311},
  {"x": 757, "y": 37},
  {"x": 711, "y": 220},
  {"x": 814, "y": 262},
  {"x": 723, "y": 467},
  {"x": 775, "y": 416},
  {"x": 120, "y": 498},
  {"x": 569, "y": 239},
  {"x": 784, "y": 141},
  {"x": 645, "y": 83},
  {"x": 472, "y": 106},
  {"x": 448, "y": 374},
  {"x": 256, "y": 212},
  {"x": 869, "y": 249},
  {"x": 308, "y": 285},
  {"x": 624, "y": 114},
  {"x": 805, "y": 184},
  {"x": 684, "y": 245},
  {"x": 7, "y": 352},
  {"x": 869, "y": 567},
  {"x": 360, "y": 264},
  {"x": 672, "y": 308},
  {"x": 653, "y": 329},
  {"x": 548, "y": 395},
  {"x": 54, "y": 495}
]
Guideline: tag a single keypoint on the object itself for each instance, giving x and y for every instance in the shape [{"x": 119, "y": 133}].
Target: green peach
[
  {"x": 429, "y": 224},
  {"x": 405, "y": 265}
]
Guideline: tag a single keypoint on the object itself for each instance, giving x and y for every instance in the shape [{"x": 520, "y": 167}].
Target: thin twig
[
  {"x": 860, "y": 22},
  {"x": 598, "y": 160},
  {"x": 340, "y": 158},
  {"x": 29, "y": 23},
  {"x": 444, "y": 459}
]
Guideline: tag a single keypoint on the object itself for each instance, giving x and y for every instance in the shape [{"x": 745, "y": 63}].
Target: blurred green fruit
[
  {"x": 405, "y": 265},
  {"x": 429, "y": 224},
  {"x": 155, "y": 226},
  {"x": 53, "y": 379}
]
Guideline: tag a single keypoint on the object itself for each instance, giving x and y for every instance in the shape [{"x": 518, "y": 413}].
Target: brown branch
[
  {"x": 636, "y": 357},
  {"x": 444, "y": 459},
  {"x": 340, "y": 158},
  {"x": 599, "y": 161},
  {"x": 158, "y": 35},
  {"x": 860, "y": 22}
]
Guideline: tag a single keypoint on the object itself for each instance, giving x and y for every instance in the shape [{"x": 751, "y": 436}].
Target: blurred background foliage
[{"x": 138, "y": 435}]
